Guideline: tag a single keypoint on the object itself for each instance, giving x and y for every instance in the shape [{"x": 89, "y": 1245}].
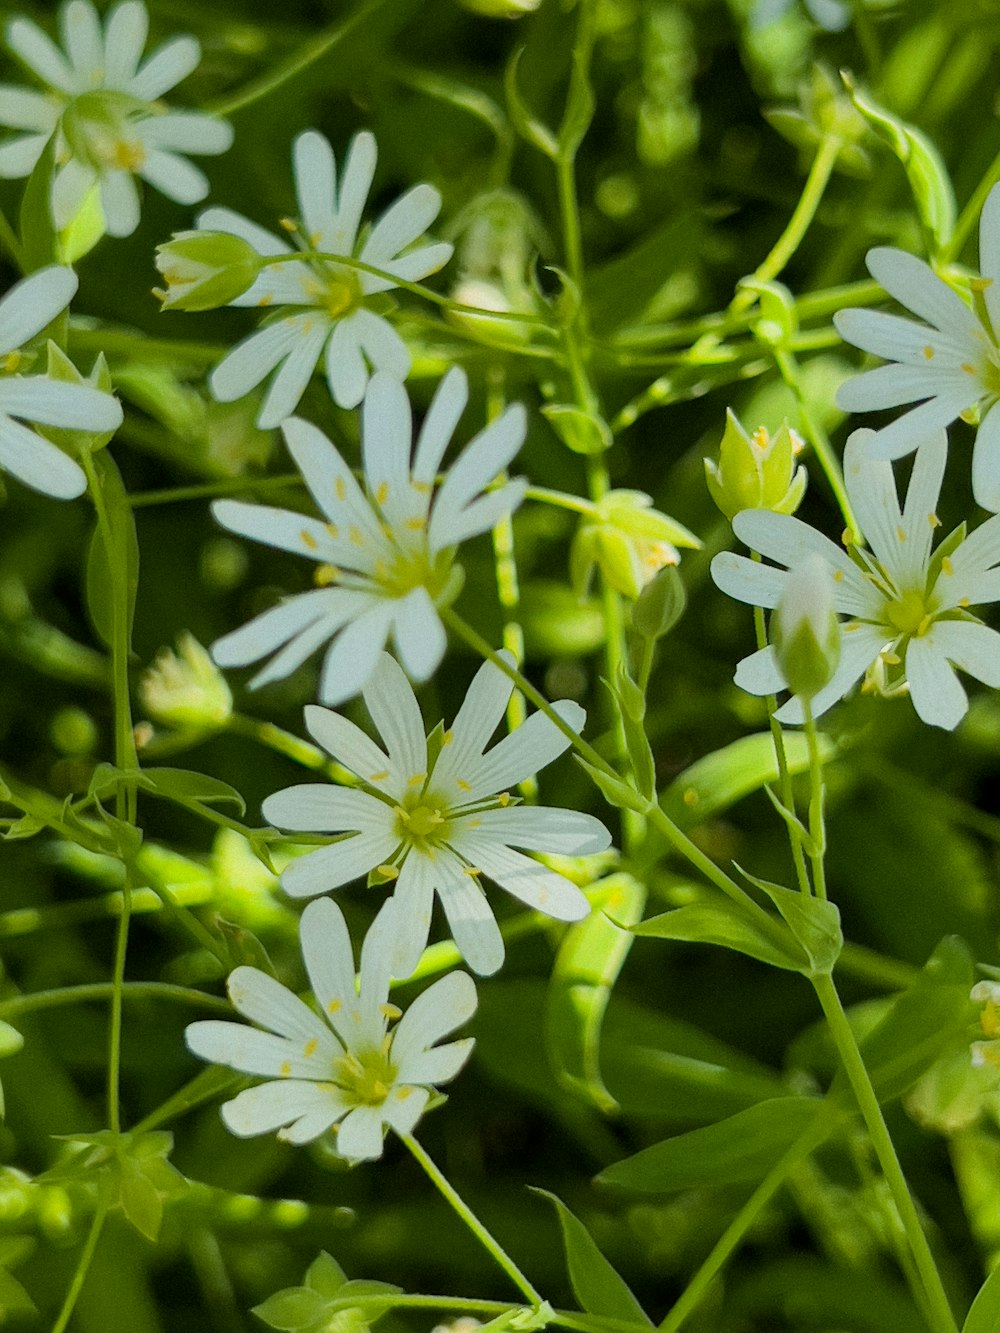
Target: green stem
[
  {"x": 969, "y": 215},
  {"x": 738, "y": 1228},
  {"x": 82, "y": 1267},
  {"x": 798, "y": 224},
  {"x": 560, "y": 499},
  {"x": 9, "y": 242},
  {"x": 209, "y": 489},
  {"x": 932, "y": 1291},
  {"x": 488, "y": 1241},
  {"x": 817, "y": 800},
  {"x": 101, "y": 990}
]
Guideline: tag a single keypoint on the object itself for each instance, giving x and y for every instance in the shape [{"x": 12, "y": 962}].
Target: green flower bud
[
  {"x": 496, "y": 239},
  {"x": 805, "y": 630},
  {"x": 628, "y": 540},
  {"x": 825, "y": 111},
  {"x": 660, "y": 604},
  {"x": 205, "y": 269},
  {"x": 60, "y": 367},
  {"x": 187, "y": 692},
  {"x": 756, "y": 471}
]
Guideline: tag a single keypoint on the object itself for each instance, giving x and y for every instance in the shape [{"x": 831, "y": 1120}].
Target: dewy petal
[
  {"x": 40, "y": 54},
  {"x": 329, "y": 959},
  {"x": 442, "y": 417},
  {"x": 470, "y": 918},
  {"x": 352, "y": 747},
  {"x": 125, "y": 32},
  {"x": 336, "y": 865},
  {"x": 356, "y": 181},
  {"x": 401, "y": 224},
  {"x": 418, "y": 634},
  {"x": 393, "y": 707},
  {"x": 937, "y": 695},
  {"x": 360, "y": 1135},
  {"x": 917, "y": 287},
  {"x": 986, "y": 461},
  {"x": 266, "y": 1002},
  {"x": 480, "y": 461},
  {"x": 32, "y": 303},
  {"x": 528, "y": 880},
  {"x": 265, "y": 1108},
  {"x": 312, "y": 807},
  {"x": 315, "y": 172},
  {"x": 166, "y": 67},
  {"x": 540, "y": 829},
  {"x": 352, "y": 656},
  {"x": 437, "y": 1011},
  {"x": 38, "y": 463}
]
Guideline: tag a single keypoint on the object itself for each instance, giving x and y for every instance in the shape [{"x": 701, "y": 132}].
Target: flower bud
[
  {"x": 187, "y": 692},
  {"x": 756, "y": 471},
  {"x": 628, "y": 540},
  {"x": 805, "y": 630},
  {"x": 660, "y": 604},
  {"x": 205, "y": 269},
  {"x": 60, "y": 368}
]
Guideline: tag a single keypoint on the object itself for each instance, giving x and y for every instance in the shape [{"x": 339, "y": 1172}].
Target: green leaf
[
  {"x": 39, "y": 242},
  {"x": 112, "y": 575},
  {"x": 579, "y": 107},
  {"x": 924, "y": 167},
  {"x": 615, "y": 790},
  {"x": 13, "y": 1297},
  {"x": 590, "y": 958},
  {"x": 984, "y": 1316},
  {"x": 630, "y": 705},
  {"x": 743, "y": 1148},
  {"x": 139, "y": 1199},
  {"x": 717, "y": 781},
  {"x": 191, "y": 789},
  {"x": 293, "y": 1308},
  {"x": 527, "y": 125},
  {"x": 814, "y": 922},
  {"x": 596, "y": 1285},
  {"x": 727, "y": 925}
]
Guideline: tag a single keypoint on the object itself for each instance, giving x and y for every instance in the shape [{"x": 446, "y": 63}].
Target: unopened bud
[
  {"x": 756, "y": 471},
  {"x": 205, "y": 269},
  {"x": 805, "y": 630},
  {"x": 660, "y": 604},
  {"x": 188, "y": 691},
  {"x": 628, "y": 540}
]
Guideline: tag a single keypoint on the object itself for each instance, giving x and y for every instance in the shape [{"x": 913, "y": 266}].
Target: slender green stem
[
  {"x": 738, "y": 1228},
  {"x": 560, "y": 499},
  {"x": 798, "y": 224},
  {"x": 101, "y": 990},
  {"x": 209, "y": 489},
  {"x": 489, "y": 1242},
  {"x": 82, "y": 1267},
  {"x": 932, "y": 1291},
  {"x": 969, "y": 215},
  {"x": 10, "y": 243},
  {"x": 817, "y": 801},
  {"x": 287, "y": 70}
]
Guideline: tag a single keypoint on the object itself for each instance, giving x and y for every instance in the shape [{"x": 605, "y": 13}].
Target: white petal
[
  {"x": 439, "y": 1010},
  {"x": 915, "y": 286},
  {"x": 748, "y": 581},
  {"x": 120, "y": 202},
  {"x": 479, "y": 516},
  {"x": 970, "y": 646},
  {"x": 989, "y": 252},
  {"x": 188, "y": 132},
  {"x": 860, "y": 644},
  {"x": 937, "y": 695},
  {"x": 346, "y": 372},
  {"x": 442, "y": 417},
  {"x": 56, "y": 403},
  {"x": 39, "y": 463},
  {"x": 343, "y": 608},
  {"x": 272, "y": 628},
  {"x": 356, "y": 181},
  {"x": 332, "y": 485},
  {"x": 477, "y": 465},
  {"x": 903, "y": 435},
  {"x": 894, "y": 385},
  {"x": 254, "y": 1052},
  {"x": 174, "y": 176},
  {"x": 350, "y": 746},
  {"x": 40, "y": 53},
  {"x": 125, "y": 31},
  {"x": 380, "y": 343},
  {"x": 439, "y": 1065},
  {"x": 419, "y": 635},
  {"x": 281, "y": 528},
  {"x": 411, "y": 267},
  {"x": 32, "y": 303},
  {"x": 329, "y": 959},
  {"x": 253, "y": 359},
  {"x": 235, "y": 224},
  {"x": 760, "y": 673},
  {"x": 266, "y": 1002},
  {"x": 401, "y": 224},
  {"x": 21, "y": 109},
  {"x": 316, "y": 1120},
  {"x": 167, "y": 66},
  {"x": 289, "y": 384},
  {"x": 83, "y": 40},
  {"x": 351, "y": 659},
  {"x": 360, "y": 1135},
  {"x": 72, "y": 184},
  {"x": 375, "y": 973},
  {"x": 315, "y": 173},
  {"x": 271, "y": 1105},
  {"x": 336, "y": 865},
  {"x": 538, "y": 828},
  {"x": 972, "y": 566},
  {"x": 528, "y": 880},
  {"x": 787, "y": 539},
  {"x": 986, "y": 462},
  {"x": 393, "y": 707},
  {"x": 919, "y": 517},
  {"x": 527, "y": 750},
  {"x": 386, "y": 433},
  {"x": 414, "y": 898},
  {"x": 477, "y": 719},
  {"x": 470, "y": 917},
  {"x": 871, "y": 486},
  {"x": 313, "y": 807},
  {"x": 403, "y": 1107},
  {"x": 18, "y": 156},
  {"x": 904, "y": 341}
]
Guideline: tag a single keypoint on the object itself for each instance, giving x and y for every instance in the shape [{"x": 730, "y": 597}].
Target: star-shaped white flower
[
  {"x": 433, "y": 814},
  {"x": 106, "y": 107},
  {"x": 25, "y": 310},
  {"x": 908, "y": 606},
  {"x": 322, "y": 308},
  {"x": 345, "y": 1070},
  {"x": 385, "y": 553},
  {"x": 948, "y": 365}
]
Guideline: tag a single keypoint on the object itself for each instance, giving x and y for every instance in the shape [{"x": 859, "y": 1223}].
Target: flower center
[
  {"x": 422, "y": 823},
  {"x": 366, "y": 1076},
  {"x": 97, "y": 129},
  {"x": 335, "y": 290},
  {"x": 909, "y": 613}
]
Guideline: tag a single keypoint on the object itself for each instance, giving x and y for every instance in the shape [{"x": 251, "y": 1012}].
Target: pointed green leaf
[
  {"x": 527, "y": 125},
  {"x": 39, "y": 244},
  {"x": 596, "y": 1285},
  {"x": 615, "y": 790},
  {"x": 579, "y": 107},
  {"x": 728, "y": 926},
  {"x": 139, "y": 1199},
  {"x": 590, "y": 958},
  {"x": 984, "y": 1317},
  {"x": 112, "y": 575},
  {"x": 814, "y": 922},
  {"x": 190, "y": 788},
  {"x": 743, "y": 1148}
]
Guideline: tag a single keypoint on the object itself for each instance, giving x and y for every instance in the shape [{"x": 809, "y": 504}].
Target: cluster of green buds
[
  {"x": 756, "y": 471},
  {"x": 628, "y": 540},
  {"x": 204, "y": 269},
  {"x": 826, "y": 111},
  {"x": 187, "y": 692},
  {"x": 805, "y": 630}
]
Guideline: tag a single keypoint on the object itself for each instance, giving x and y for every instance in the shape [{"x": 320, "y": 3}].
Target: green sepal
[
  {"x": 39, "y": 242},
  {"x": 598, "y": 1287}
]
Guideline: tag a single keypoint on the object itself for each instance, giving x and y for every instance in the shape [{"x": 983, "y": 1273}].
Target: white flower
[
  {"x": 952, "y": 361},
  {"x": 344, "y": 1070},
  {"x": 434, "y": 814},
  {"x": 336, "y": 321},
  {"x": 908, "y": 607},
  {"x": 831, "y": 15},
  {"x": 385, "y": 554},
  {"x": 106, "y": 106},
  {"x": 25, "y": 310}
]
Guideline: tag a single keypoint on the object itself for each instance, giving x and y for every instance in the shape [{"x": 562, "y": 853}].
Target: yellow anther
[
  {"x": 933, "y": 520},
  {"x": 416, "y": 779},
  {"x": 964, "y": 603},
  {"x": 382, "y": 493},
  {"x": 847, "y": 537},
  {"x": 980, "y": 284},
  {"x": 340, "y": 487},
  {"x": 969, "y": 369},
  {"x": 416, "y": 524},
  {"x": 946, "y": 566},
  {"x": 838, "y": 576},
  {"x": 379, "y": 777},
  {"x": 266, "y": 300},
  {"x": 403, "y": 1093},
  {"x": 354, "y": 536},
  {"x": 901, "y": 534},
  {"x": 285, "y": 1069},
  {"x": 462, "y": 785},
  {"x": 390, "y": 1011},
  {"x": 308, "y": 539},
  {"x": 10, "y": 362},
  {"x": 422, "y": 487},
  {"x": 504, "y": 799},
  {"x": 325, "y": 575},
  {"x": 473, "y": 871},
  {"x": 334, "y": 1006},
  {"x": 890, "y": 658},
  {"x": 310, "y": 1047},
  {"x": 447, "y": 738},
  {"x": 288, "y": 224},
  {"x": 928, "y": 352},
  {"x": 332, "y": 530},
  {"x": 315, "y": 238},
  {"x": 761, "y": 438},
  {"x": 387, "y": 872}
]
